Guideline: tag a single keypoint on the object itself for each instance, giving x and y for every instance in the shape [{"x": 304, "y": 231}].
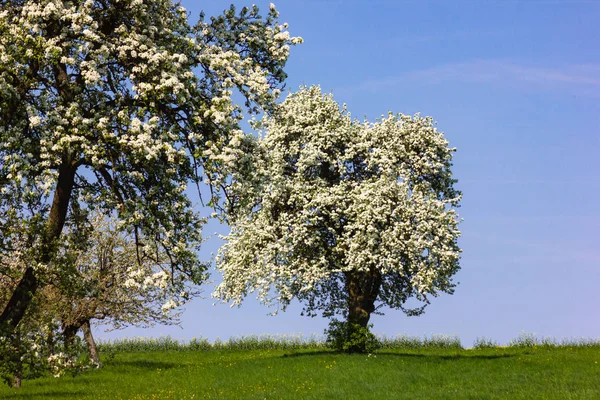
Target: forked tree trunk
[
  {"x": 93, "y": 350},
  {"x": 23, "y": 294}
]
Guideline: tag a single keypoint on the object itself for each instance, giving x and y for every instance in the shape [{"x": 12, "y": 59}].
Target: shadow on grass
[
  {"x": 310, "y": 353},
  {"x": 145, "y": 364},
  {"x": 46, "y": 395},
  {"x": 406, "y": 355},
  {"x": 447, "y": 357}
]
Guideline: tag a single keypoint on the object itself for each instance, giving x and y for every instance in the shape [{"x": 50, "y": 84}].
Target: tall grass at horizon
[{"x": 298, "y": 341}]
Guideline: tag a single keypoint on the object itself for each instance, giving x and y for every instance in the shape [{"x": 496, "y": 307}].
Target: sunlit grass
[{"x": 255, "y": 368}]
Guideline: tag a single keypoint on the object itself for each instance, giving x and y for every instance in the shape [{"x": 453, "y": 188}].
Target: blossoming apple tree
[
  {"x": 97, "y": 276},
  {"x": 103, "y": 279},
  {"x": 112, "y": 105},
  {"x": 345, "y": 216}
]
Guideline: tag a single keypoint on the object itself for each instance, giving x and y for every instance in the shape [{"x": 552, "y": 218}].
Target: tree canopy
[
  {"x": 102, "y": 278},
  {"x": 111, "y": 105},
  {"x": 96, "y": 277},
  {"x": 345, "y": 216}
]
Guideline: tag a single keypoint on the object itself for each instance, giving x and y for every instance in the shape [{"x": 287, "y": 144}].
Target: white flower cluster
[
  {"x": 60, "y": 363},
  {"x": 123, "y": 104},
  {"x": 132, "y": 284},
  {"x": 328, "y": 196}
]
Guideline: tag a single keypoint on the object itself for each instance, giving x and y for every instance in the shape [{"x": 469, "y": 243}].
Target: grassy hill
[{"x": 251, "y": 370}]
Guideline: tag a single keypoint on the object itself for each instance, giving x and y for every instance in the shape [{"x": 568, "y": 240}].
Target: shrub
[{"x": 351, "y": 338}]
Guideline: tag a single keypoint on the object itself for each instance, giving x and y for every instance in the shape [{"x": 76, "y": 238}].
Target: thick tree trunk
[
  {"x": 18, "y": 303},
  {"x": 21, "y": 298},
  {"x": 93, "y": 350},
  {"x": 363, "y": 289}
]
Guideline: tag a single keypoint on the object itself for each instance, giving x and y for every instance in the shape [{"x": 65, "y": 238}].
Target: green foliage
[
  {"x": 144, "y": 102},
  {"x": 349, "y": 337},
  {"x": 32, "y": 352}
]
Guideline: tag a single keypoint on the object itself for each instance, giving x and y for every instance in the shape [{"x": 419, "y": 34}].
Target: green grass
[{"x": 418, "y": 370}]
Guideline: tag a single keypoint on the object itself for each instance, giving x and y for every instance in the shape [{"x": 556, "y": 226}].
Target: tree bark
[
  {"x": 16, "y": 360},
  {"x": 93, "y": 350},
  {"x": 69, "y": 332},
  {"x": 50, "y": 342},
  {"x": 23, "y": 294},
  {"x": 18, "y": 303},
  {"x": 363, "y": 289},
  {"x": 17, "y": 381}
]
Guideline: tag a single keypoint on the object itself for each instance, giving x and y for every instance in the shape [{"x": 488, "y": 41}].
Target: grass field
[{"x": 309, "y": 371}]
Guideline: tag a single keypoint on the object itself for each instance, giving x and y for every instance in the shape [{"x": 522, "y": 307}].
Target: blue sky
[{"x": 515, "y": 86}]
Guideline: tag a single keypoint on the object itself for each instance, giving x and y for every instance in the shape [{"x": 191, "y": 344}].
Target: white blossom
[
  {"x": 108, "y": 105},
  {"x": 324, "y": 201}
]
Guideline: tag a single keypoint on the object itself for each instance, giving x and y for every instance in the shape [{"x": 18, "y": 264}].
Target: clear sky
[{"x": 515, "y": 86}]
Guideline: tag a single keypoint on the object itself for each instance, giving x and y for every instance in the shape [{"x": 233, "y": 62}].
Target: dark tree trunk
[
  {"x": 21, "y": 298},
  {"x": 69, "y": 333},
  {"x": 93, "y": 350},
  {"x": 50, "y": 342},
  {"x": 18, "y": 303},
  {"x": 363, "y": 289},
  {"x": 16, "y": 360}
]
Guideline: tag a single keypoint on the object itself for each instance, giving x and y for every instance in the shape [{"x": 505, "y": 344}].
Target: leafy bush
[
  {"x": 351, "y": 338},
  {"x": 34, "y": 351}
]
